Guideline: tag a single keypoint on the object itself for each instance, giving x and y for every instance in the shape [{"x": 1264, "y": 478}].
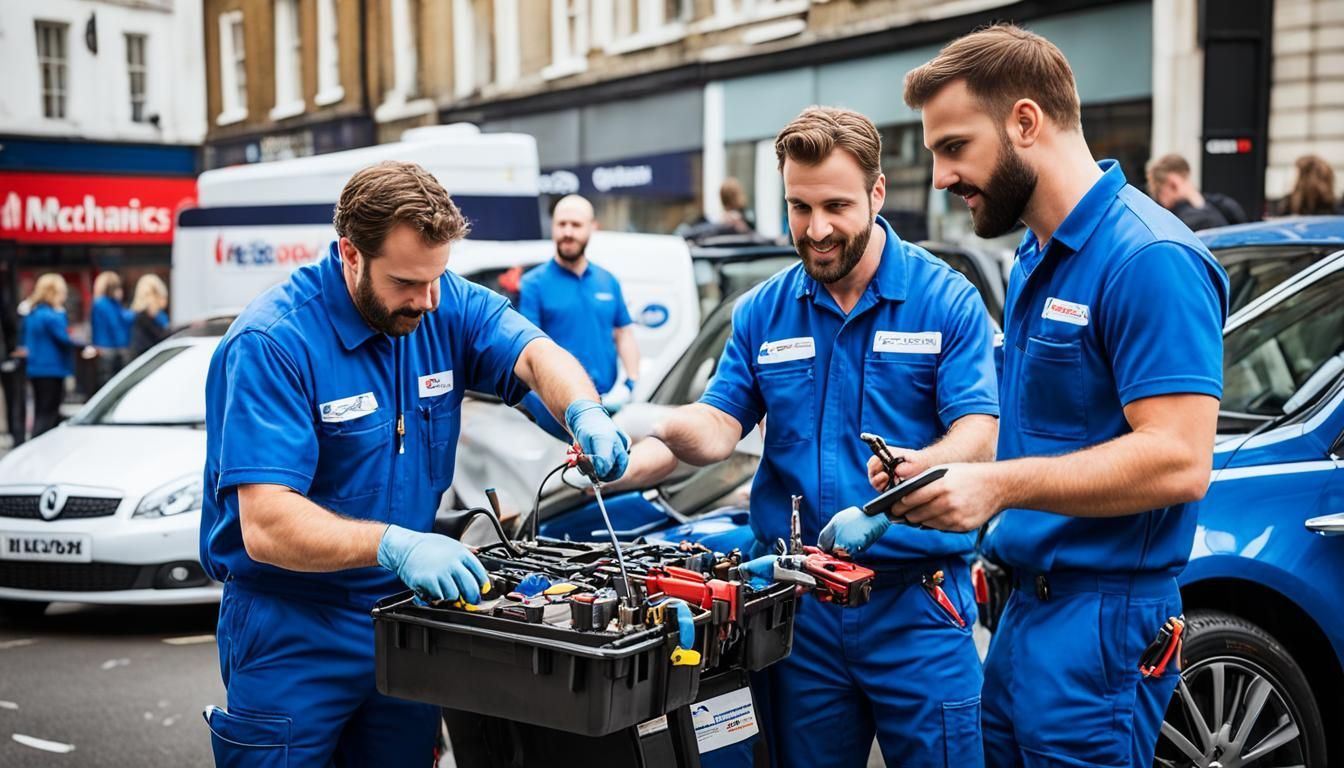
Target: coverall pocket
[
  {"x": 248, "y": 741},
  {"x": 1053, "y": 380},
  {"x": 444, "y": 423},
  {"x": 963, "y": 745},
  {"x": 352, "y": 462},
  {"x": 790, "y": 402},
  {"x": 898, "y": 389}
]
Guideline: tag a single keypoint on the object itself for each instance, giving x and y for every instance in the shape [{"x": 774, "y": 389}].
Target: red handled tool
[
  {"x": 842, "y": 582},
  {"x": 721, "y": 598},
  {"x": 933, "y": 584},
  {"x": 1164, "y": 648}
]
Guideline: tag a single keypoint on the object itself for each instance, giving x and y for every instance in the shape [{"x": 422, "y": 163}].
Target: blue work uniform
[
  {"x": 913, "y": 356},
  {"x": 48, "y": 342},
  {"x": 578, "y": 312},
  {"x": 111, "y": 323},
  {"x": 303, "y": 393},
  {"x": 1123, "y": 303}
]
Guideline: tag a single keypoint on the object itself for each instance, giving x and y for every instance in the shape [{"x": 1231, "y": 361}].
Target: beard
[
  {"x": 580, "y": 246},
  {"x": 1002, "y": 202},
  {"x": 398, "y": 322},
  {"x": 850, "y": 250}
]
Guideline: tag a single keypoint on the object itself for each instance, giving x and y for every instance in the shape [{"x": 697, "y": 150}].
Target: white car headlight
[{"x": 181, "y": 495}]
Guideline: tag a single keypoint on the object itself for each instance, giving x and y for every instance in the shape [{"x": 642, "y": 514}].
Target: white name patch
[
  {"x": 348, "y": 408},
  {"x": 436, "y": 384},
  {"x": 603, "y": 296},
  {"x": 926, "y": 343},
  {"x": 1066, "y": 312},
  {"x": 784, "y": 350}
]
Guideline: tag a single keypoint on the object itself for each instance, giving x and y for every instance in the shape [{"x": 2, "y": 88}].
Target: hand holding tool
[
  {"x": 585, "y": 465},
  {"x": 759, "y": 573},
  {"x": 434, "y": 566},
  {"x": 599, "y": 438},
  {"x": 883, "y": 453}
]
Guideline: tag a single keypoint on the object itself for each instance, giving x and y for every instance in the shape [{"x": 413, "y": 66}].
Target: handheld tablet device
[{"x": 883, "y": 503}]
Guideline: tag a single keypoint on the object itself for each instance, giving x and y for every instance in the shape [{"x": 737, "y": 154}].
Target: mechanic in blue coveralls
[
  {"x": 1112, "y": 375},
  {"x": 332, "y": 415},
  {"x": 580, "y": 306},
  {"x": 867, "y": 334}
]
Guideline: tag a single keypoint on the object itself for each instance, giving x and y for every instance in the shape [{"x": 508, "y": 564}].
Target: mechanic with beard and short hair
[
  {"x": 332, "y": 414},
  {"x": 580, "y": 306},
  {"x": 867, "y": 334},
  {"x": 1112, "y": 374}
]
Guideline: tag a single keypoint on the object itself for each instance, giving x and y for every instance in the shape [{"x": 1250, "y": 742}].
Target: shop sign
[
  {"x": 653, "y": 176},
  {"x": 68, "y": 208}
]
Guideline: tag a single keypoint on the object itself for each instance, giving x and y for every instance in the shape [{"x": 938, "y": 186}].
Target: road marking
[
  {"x": 189, "y": 640},
  {"x": 43, "y": 744},
  {"x": 6, "y": 645},
  {"x": 8, "y": 705},
  {"x": 114, "y": 663}
]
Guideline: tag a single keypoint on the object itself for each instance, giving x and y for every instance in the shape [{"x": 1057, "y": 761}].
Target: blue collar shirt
[
  {"x": 914, "y": 355},
  {"x": 578, "y": 312},
  {"x": 1123, "y": 303}
]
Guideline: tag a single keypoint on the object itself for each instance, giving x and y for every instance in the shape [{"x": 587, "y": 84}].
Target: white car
[{"x": 106, "y": 507}]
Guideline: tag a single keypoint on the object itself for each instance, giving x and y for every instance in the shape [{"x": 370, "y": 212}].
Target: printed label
[
  {"x": 1065, "y": 312},
  {"x": 784, "y": 350},
  {"x": 436, "y": 384},
  {"x": 926, "y": 343},
  {"x": 348, "y": 408},
  {"x": 724, "y": 720}
]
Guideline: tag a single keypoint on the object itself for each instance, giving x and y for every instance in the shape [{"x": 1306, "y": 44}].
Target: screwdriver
[{"x": 585, "y": 465}]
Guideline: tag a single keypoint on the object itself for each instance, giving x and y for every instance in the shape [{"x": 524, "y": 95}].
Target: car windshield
[
  {"x": 167, "y": 389},
  {"x": 1253, "y": 270},
  {"x": 1266, "y": 360}
]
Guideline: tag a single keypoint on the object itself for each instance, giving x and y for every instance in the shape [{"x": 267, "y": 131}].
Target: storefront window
[
  {"x": 909, "y": 171},
  {"x": 1121, "y": 132}
]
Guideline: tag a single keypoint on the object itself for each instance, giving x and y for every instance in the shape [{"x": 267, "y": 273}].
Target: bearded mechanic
[
  {"x": 1112, "y": 375},
  {"x": 866, "y": 334},
  {"x": 332, "y": 416}
]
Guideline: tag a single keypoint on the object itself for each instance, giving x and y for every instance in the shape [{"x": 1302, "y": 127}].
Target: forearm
[
  {"x": 971, "y": 438},
  {"x": 1133, "y": 473},
  {"x": 281, "y": 527},
  {"x": 650, "y": 461},
  {"x": 699, "y": 434},
  {"x": 555, "y": 376}
]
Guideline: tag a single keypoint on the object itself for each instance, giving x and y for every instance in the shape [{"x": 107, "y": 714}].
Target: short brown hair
[
  {"x": 1001, "y": 64},
  {"x": 1314, "y": 191},
  {"x": 379, "y": 197},
  {"x": 816, "y": 131},
  {"x": 1168, "y": 165}
]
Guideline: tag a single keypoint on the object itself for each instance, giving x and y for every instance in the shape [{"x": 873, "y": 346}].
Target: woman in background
[
  {"x": 111, "y": 323},
  {"x": 47, "y": 338},
  {"x": 151, "y": 299},
  {"x": 1314, "y": 191}
]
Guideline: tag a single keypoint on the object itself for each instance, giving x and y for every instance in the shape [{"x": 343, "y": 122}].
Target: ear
[
  {"x": 350, "y": 255},
  {"x": 1026, "y": 121},
  {"x": 878, "y": 195}
]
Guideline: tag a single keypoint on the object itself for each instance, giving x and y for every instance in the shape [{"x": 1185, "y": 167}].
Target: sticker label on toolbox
[
  {"x": 724, "y": 720},
  {"x": 650, "y": 727}
]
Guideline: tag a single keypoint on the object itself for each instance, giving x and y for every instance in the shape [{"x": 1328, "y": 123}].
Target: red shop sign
[{"x": 66, "y": 208}]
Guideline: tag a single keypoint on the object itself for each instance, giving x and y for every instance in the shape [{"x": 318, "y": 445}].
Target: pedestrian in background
[
  {"x": 736, "y": 217},
  {"x": 1313, "y": 192},
  {"x": 1169, "y": 183},
  {"x": 49, "y": 347},
  {"x": 111, "y": 321},
  {"x": 148, "y": 328}
]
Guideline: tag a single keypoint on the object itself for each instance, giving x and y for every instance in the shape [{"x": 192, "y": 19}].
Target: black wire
[
  {"x": 536, "y": 502},
  {"x": 499, "y": 529}
]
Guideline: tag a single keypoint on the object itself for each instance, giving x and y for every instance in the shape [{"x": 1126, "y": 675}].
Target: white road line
[
  {"x": 114, "y": 663},
  {"x": 8, "y": 705},
  {"x": 189, "y": 640},
  {"x": 43, "y": 744},
  {"x": 6, "y": 645}
]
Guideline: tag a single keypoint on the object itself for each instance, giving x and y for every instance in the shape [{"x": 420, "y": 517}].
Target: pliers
[{"x": 883, "y": 453}]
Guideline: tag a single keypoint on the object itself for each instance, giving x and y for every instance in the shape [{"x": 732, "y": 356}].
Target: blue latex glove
[
  {"x": 434, "y": 566},
  {"x": 760, "y": 573},
  {"x": 852, "y": 531},
  {"x": 599, "y": 437}
]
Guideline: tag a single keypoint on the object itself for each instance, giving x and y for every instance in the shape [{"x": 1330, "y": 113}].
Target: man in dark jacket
[{"x": 1170, "y": 185}]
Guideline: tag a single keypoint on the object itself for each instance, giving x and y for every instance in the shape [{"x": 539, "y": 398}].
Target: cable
[
  {"x": 536, "y": 502},
  {"x": 499, "y": 529}
]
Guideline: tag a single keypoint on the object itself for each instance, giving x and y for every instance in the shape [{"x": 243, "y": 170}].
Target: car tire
[
  {"x": 22, "y": 610},
  {"x": 1259, "y": 681}
]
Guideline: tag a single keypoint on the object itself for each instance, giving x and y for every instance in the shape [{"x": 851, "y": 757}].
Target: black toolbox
[{"x": 547, "y": 673}]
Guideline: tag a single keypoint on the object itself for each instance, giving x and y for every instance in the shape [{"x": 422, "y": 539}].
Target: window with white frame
[
  {"x": 741, "y": 11},
  {"x": 329, "y": 90},
  {"x": 569, "y": 37},
  {"x": 232, "y": 68},
  {"x": 53, "y": 65},
  {"x": 288, "y": 60},
  {"x": 644, "y": 23},
  {"x": 406, "y": 49},
  {"x": 137, "y": 74}
]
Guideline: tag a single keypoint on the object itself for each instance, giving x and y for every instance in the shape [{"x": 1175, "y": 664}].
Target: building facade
[{"x": 99, "y": 135}]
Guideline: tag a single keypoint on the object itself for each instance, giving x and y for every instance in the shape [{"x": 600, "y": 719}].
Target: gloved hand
[
  {"x": 852, "y": 531},
  {"x": 759, "y": 573},
  {"x": 619, "y": 396},
  {"x": 599, "y": 437},
  {"x": 434, "y": 566}
]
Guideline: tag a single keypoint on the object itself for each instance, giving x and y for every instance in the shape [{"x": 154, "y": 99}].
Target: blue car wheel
[{"x": 1241, "y": 701}]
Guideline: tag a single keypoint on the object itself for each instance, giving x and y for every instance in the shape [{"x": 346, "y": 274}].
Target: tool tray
[{"x": 592, "y": 682}]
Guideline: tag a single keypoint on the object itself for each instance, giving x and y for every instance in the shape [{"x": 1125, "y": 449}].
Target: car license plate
[{"x": 64, "y": 548}]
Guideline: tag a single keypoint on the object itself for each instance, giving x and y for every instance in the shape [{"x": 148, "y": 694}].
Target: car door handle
[{"x": 1327, "y": 525}]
